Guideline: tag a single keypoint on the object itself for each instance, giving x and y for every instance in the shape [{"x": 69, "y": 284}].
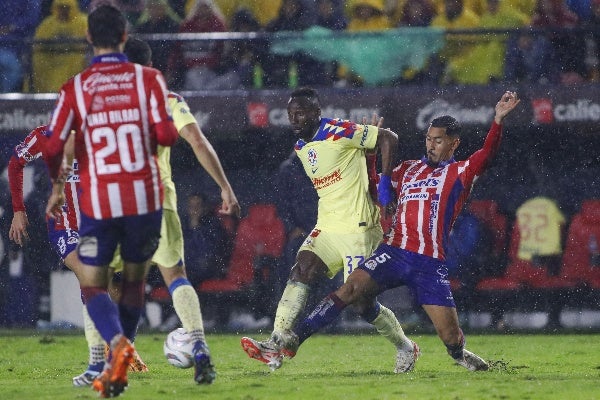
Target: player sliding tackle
[
  {"x": 348, "y": 228},
  {"x": 431, "y": 192}
]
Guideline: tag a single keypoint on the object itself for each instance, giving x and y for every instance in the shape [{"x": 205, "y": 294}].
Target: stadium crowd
[{"x": 512, "y": 40}]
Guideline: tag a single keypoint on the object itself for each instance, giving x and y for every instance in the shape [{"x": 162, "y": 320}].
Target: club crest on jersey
[{"x": 312, "y": 157}]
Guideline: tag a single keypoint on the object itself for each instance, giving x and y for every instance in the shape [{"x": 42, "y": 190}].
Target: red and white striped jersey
[
  {"x": 30, "y": 149},
  {"x": 118, "y": 111},
  {"x": 430, "y": 198}
]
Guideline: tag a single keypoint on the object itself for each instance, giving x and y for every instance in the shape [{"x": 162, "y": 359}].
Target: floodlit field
[{"x": 40, "y": 366}]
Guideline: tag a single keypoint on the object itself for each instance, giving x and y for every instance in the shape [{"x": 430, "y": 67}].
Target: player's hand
[
  {"x": 507, "y": 103},
  {"x": 18, "y": 228},
  {"x": 230, "y": 205},
  {"x": 56, "y": 201},
  {"x": 375, "y": 120}
]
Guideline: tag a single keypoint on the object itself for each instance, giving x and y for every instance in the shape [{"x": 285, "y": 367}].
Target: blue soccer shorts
[{"x": 426, "y": 277}]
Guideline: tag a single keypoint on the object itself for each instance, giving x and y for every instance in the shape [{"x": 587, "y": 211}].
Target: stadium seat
[
  {"x": 258, "y": 247},
  {"x": 579, "y": 263}
]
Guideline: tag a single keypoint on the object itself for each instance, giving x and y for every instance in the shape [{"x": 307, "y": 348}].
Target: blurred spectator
[
  {"x": 330, "y": 16},
  {"x": 193, "y": 63},
  {"x": 417, "y": 13},
  {"x": 296, "y": 201},
  {"x": 241, "y": 62},
  {"x": 469, "y": 255},
  {"x": 158, "y": 17},
  {"x": 476, "y": 6},
  {"x": 581, "y": 8},
  {"x": 131, "y": 8},
  {"x": 541, "y": 227},
  {"x": 54, "y": 63},
  {"x": 455, "y": 16},
  {"x": 206, "y": 244},
  {"x": 297, "y": 69},
  {"x": 550, "y": 56},
  {"x": 368, "y": 15},
  {"x": 365, "y": 16},
  {"x": 592, "y": 43},
  {"x": 485, "y": 62},
  {"x": 18, "y": 20},
  {"x": 524, "y": 6}
]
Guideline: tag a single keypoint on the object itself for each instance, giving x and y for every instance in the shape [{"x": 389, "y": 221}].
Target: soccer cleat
[
  {"x": 266, "y": 351},
  {"x": 113, "y": 380},
  {"x": 138, "y": 365},
  {"x": 287, "y": 342},
  {"x": 204, "y": 371},
  {"x": 472, "y": 362},
  {"x": 85, "y": 379},
  {"x": 406, "y": 359}
]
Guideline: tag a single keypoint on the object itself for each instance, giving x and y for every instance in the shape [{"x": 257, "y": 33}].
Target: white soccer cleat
[
  {"x": 406, "y": 359},
  {"x": 287, "y": 342},
  {"x": 85, "y": 379},
  {"x": 472, "y": 361},
  {"x": 265, "y": 351}
]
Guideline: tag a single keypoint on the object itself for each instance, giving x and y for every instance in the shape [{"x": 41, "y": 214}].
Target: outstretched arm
[{"x": 208, "y": 158}]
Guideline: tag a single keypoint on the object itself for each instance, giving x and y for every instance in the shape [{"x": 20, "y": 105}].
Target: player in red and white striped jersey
[
  {"x": 63, "y": 234},
  {"x": 431, "y": 193},
  {"x": 119, "y": 113}
]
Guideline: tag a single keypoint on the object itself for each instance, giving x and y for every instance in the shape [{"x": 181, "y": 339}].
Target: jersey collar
[{"x": 110, "y": 58}]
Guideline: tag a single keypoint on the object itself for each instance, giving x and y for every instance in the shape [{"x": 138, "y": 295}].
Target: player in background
[
  {"x": 119, "y": 113},
  {"x": 431, "y": 192},
  {"x": 169, "y": 257},
  {"x": 348, "y": 226},
  {"x": 62, "y": 234}
]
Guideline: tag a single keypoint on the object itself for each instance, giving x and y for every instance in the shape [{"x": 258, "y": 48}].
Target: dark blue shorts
[
  {"x": 138, "y": 236},
  {"x": 64, "y": 241},
  {"x": 426, "y": 277}
]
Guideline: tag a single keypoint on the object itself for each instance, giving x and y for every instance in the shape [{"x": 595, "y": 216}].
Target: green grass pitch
[{"x": 36, "y": 365}]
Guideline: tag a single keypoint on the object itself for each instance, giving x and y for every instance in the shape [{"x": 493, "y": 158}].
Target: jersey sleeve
[
  {"x": 347, "y": 133},
  {"x": 160, "y": 112},
  {"x": 482, "y": 157},
  {"x": 182, "y": 114},
  {"x": 30, "y": 149}
]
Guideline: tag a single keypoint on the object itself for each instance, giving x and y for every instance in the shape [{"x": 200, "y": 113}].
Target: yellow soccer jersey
[
  {"x": 335, "y": 162},
  {"x": 182, "y": 116},
  {"x": 540, "y": 224}
]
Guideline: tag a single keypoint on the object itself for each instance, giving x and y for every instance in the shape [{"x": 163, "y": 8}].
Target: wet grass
[{"x": 37, "y": 365}]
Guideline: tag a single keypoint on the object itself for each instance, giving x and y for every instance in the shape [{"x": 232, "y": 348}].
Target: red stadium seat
[
  {"x": 261, "y": 233},
  {"x": 578, "y": 264},
  {"x": 258, "y": 247}
]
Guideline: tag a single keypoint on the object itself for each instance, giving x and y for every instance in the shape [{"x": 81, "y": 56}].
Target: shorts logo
[
  {"x": 371, "y": 263},
  {"x": 315, "y": 232},
  {"x": 88, "y": 246},
  {"x": 443, "y": 273}
]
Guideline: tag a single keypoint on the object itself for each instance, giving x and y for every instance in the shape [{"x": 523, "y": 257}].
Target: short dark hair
[
  {"x": 138, "y": 51},
  {"x": 106, "y": 25},
  {"x": 308, "y": 93},
  {"x": 452, "y": 126}
]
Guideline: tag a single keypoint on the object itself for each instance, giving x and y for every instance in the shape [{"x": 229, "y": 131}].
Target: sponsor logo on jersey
[
  {"x": 414, "y": 196},
  {"x": 429, "y": 182},
  {"x": 327, "y": 180}
]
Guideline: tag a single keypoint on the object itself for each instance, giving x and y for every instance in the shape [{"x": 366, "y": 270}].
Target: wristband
[{"x": 384, "y": 190}]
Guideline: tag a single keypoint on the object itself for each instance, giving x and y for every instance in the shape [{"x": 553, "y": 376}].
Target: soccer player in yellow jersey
[
  {"x": 169, "y": 255},
  {"x": 348, "y": 227}
]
